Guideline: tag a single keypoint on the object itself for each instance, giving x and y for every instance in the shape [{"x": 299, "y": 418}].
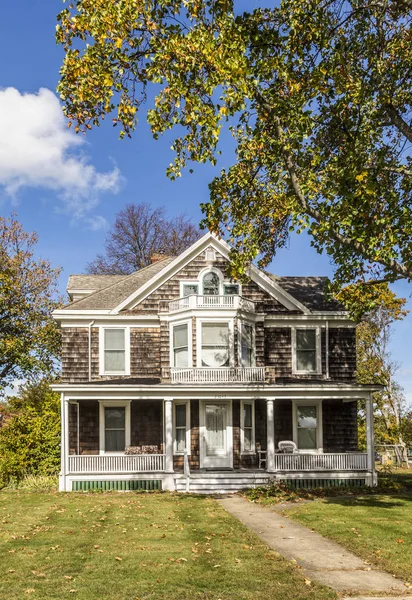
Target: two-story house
[{"x": 177, "y": 378}]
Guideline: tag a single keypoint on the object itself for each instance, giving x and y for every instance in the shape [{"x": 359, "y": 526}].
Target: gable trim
[{"x": 209, "y": 239}]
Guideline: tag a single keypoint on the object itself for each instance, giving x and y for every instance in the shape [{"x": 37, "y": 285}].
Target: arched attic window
[{"x": 211, "y": 284}]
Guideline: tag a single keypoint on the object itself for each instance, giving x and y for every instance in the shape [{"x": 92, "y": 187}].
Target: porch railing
[
  {"x": 321, "y": 462},
  {"x": 194, "y": 301},
  {"x": 222, "y": 375},
  {"x": 105, "y": 463}
]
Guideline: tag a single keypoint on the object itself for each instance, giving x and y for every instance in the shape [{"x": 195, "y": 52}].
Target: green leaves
[
  {"x": 29, "y": 338},
  {"x": 316, "y": 94}
]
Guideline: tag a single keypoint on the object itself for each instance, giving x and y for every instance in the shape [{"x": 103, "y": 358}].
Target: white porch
[{"x": 161, "y": 466}]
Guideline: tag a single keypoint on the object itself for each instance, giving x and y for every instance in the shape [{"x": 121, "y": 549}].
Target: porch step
[{"x": 220, "y": 483}]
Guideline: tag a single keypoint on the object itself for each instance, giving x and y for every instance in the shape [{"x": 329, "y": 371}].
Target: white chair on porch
[{"x": 287, "y": 447}]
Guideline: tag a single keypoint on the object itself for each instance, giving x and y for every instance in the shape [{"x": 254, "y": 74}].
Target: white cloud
[
  {"x": 38, "y": 150},
  {"x": 96, "y": 223}
]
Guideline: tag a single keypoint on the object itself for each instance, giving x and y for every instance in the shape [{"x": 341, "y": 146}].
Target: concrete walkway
[{"x": 320, "y": 559}]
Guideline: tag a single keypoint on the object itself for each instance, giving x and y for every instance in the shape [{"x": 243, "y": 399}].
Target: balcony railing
[
  {"x": 321, "y": 462},
  {"x": 219, "y": 375},
  {"x": 120, "y": 463},
  {"x": 222, "y": 302}
]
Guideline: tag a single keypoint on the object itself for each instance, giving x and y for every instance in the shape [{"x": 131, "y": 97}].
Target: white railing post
[
  {"x": 168, "y": 402},
  {"x": 270, "y": 450}
]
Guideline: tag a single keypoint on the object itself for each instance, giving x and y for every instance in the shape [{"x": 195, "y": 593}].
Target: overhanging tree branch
[
  {"x": 398, "y": 122},
  {"x": 393, "y": 266}
]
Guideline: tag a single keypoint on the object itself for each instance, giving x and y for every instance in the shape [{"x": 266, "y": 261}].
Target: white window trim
[
  {"x": 204, "y": 272},
  {"x": 188, "y": 444},
  {"x": 319, "y": 428},
  {"x": 116, "y": 404},
  {"x": 252, "y": 325},
  {"x": 126, "y": 350},
  {"x": 242, "y": 430},
  {"x": 187, "y": 322},
  {"x": 184, "y": 282},
  {"x": 216, "y": 319},
  {"x": 228, "y": 282},
  {"x": 318, "y": 370}
]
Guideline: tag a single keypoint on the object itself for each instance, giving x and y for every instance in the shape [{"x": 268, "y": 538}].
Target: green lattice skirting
[{"x": 138, "y": 484}]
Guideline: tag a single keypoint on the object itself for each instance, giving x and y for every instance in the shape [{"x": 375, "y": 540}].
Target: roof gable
[{"x": 256, "y": 275}]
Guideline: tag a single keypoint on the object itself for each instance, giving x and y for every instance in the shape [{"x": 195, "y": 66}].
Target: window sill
[{"x": 111, "y": 374}]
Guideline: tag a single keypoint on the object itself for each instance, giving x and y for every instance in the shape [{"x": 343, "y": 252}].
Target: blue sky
[{"x": 68, "y": 189}]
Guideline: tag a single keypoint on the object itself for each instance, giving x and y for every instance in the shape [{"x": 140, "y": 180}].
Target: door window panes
[{"x": 307, "y": 425}]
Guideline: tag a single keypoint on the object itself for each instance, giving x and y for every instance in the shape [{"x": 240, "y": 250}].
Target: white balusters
[
  {"x": 220, "y": 375},
  {"x": 321, "y": 462},
  {"x": 120, "y": 463}
]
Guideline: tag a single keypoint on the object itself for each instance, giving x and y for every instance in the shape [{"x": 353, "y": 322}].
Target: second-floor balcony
[
  {"x": 194, "y": 301},
  {"x": 218, "y": 375}
]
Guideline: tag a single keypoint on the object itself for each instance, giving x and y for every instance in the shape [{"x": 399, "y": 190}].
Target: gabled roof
[
  {"x": 209, "y": 239},
  {"x": 109, "y": 296},
  {"x": 116, "y": 293},
  {"x": 311, "y": 291},
  {"x": 92, "y": 282}
]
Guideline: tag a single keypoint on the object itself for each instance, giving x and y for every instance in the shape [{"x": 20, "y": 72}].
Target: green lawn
[
  {"x": 137, "y": 546},
  {"x": 376, "y": 528}
]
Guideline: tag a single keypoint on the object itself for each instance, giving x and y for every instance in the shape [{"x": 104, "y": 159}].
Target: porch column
[
  {"x": 270, "y": 424},
  {"x": 64, "y": 443},
  {"x": 370, "y": 448},
  {"x": 169, "y": 434}
]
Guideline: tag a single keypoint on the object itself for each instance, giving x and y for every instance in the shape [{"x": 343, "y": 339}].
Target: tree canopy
[
  {"x": 138, "y": 233},
  {"x": 29, "y": 337},
  {"x": 317, "y": 95}
]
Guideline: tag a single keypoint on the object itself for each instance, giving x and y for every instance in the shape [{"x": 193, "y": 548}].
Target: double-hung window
[
  {"x": 114, "y": 426},
  {"x": 306, "y": 350},
  {"x": 180, "y": 345},
  {"x": 114, "y": 351},
  {"x": 246, "y": 345},
  {"x": 215, "y": 346},
  {"x": 181, "y": 427},
  {"x": 247, "y": 427}
]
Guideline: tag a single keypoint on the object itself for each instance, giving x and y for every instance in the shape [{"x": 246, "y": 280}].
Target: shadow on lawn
[{"x": 384, "y": 500}]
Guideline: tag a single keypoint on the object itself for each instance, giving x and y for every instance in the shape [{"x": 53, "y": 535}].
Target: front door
[{"x": 215, "y": 434}]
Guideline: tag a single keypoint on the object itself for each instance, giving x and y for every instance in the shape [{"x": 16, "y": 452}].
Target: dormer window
[
  {"x": 230, "y": 289},
  {"x": 211, "y": 284},
  {"x": 190, "y": 288}
]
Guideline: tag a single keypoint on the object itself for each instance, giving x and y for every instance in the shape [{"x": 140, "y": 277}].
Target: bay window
[
  {"x": 215, "y": 345},
  {"x": 246, "y": 345},
  {"x": 180, "y": 345}
]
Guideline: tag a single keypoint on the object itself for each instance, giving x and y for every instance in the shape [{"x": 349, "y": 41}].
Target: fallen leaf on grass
[
  {"x": 400, "y": 541},
  {"x": 216, "y": 566},
  {"x": 68, "y": 577},
  {"x": 29, "y": 590},
  {"x": 12, "y": 570},
  {"x": 308, "y": 582},
  {"x": 118, "y": 558}
]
